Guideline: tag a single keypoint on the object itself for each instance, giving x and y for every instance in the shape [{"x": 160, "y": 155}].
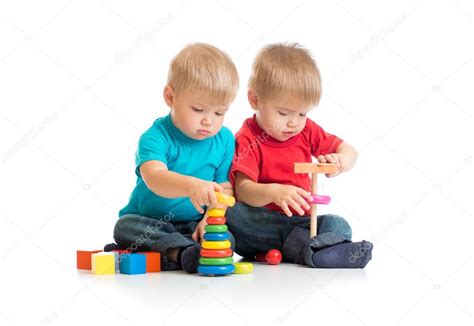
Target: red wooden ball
[{"x": 273, "y": 257}]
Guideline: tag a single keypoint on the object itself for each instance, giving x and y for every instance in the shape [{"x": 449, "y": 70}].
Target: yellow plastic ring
[
  {"x": 216, "y": 212},
  {"x": 225, "y": 199},
  {"x": 216, "y": 244},
  {"x": 243, "y": 268}
]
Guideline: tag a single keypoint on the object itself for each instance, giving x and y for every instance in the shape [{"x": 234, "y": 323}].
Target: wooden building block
[
  {"x": 103, "y": 263},
  {"x": 84, "y": 258},
  {"x": 117, "y": 253},
  {"x": 153, "y": 261},
  {"x": 132, "y": 264}
]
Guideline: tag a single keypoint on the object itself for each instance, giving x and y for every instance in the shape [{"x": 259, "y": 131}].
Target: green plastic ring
[
  {"x": 216, "y": 228},
  {"x": 216, "y": 261}
]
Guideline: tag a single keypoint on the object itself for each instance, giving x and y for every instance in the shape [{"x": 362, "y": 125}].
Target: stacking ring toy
[
  {"x": 225, "y": 199},
  {"x": 320, "y": 199},
  {"x": 216, "y": 261},
  {"x": 216, "y": 253},
  {"x": 219, "y": 253},
  {"x": 216, "y": 244},
  {"x": 216, "y": 270},
  {"x": 243, "y": 268},
  {"x": 216, "y": 212},
  {"x": 216, "y": 236},
  {"x": 216, "y": 228},
  {"x": 216, "y": 220}
]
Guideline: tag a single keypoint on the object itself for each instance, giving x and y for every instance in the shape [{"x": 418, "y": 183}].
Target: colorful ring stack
[{"x": 216, "y": 252}]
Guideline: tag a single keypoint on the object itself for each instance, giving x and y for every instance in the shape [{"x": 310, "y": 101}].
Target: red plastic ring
[
  {"x": 216, "y": 253},
  {"x": 216, "y": 220}
]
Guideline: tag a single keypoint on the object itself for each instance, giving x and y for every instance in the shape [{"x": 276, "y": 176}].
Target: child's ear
[
  {"x": 253, "y": 99},
  {"x": 168, "y": 94}
]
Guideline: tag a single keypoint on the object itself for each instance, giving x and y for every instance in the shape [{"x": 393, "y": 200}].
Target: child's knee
[
  {"x": 238, "y": 210},
  {"x": 337, "y": 224},
  {"x": 130, "y": 226},
  {"x": 237, "y": 216},
  {"x": 121, "y": 226}
]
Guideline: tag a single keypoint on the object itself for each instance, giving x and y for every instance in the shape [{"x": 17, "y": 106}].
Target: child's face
[
  {"x": 193, "y": 114},
  {"x": 282, "y": 117}
]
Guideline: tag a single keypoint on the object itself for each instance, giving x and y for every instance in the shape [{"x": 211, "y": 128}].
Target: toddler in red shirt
[{"x": 273, "y": 209}]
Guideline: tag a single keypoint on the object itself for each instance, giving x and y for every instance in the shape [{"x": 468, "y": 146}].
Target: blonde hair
[
  {"x": 203, "y": 67},
  {"x": 289, "y": 69}
]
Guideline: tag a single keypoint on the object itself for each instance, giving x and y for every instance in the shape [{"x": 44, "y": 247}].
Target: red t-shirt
[{"x": 265, "y": 159}]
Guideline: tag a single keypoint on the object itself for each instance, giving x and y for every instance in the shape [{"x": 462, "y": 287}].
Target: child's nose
[
  {"x": 206, "y": 121},
  {"x": 291, "y": 123}
]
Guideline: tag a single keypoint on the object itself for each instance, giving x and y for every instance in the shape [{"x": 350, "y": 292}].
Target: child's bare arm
[
  {"x": 259, "y": 194},
  {"x": 252, "y": 193},
  {"x": 345, "y": 158},
  {"x": 170, "y": 184},
  {"x": 347, "y": 155}
]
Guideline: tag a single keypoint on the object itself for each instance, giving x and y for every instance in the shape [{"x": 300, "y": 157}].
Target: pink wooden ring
[{"x": 320, "y": 199}]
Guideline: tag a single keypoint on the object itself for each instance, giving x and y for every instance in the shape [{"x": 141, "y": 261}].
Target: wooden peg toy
[{"x": 314, "y": 169}]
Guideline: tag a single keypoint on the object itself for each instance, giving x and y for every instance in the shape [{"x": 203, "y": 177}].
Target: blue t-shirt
[{"x": 208, "y": 159}]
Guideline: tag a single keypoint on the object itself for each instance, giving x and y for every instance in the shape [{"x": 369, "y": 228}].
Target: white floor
[
  {"x": 390, "y": 291},
  {"x": 80, "y": 81}
]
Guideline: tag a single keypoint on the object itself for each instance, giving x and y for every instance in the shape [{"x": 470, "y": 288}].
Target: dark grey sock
[
  {"x": 344, "y": 255},
  {"x": 110, "y": 247},
  {"x": 299, "y": 247},
  {"x": 188, "y": 258}
]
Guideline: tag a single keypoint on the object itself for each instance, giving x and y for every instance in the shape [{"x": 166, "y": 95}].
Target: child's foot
[
  {"x": 110, "y": 247},
  {"x": 189, "y": 258},
  {"x": 344, "y": 255}
]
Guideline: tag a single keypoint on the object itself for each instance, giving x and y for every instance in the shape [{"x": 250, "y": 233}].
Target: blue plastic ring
[
  {"x": 216, "y": 236},
  {"x": 216, "y": 270}
]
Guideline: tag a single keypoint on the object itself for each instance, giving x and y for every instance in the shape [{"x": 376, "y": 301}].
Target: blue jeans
[
  {"x": 140, "y": 233},
  {"x": 259, "y": 229}
]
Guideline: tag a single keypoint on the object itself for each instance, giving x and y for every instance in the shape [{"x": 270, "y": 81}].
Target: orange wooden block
[
  {"x": 84, "y": 258},
  {"x": 153, "y": 261}
]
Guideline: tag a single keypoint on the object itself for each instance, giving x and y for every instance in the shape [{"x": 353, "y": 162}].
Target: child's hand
[
  {"x": 334, "y": 158},
  {"x": 199, "y": 231},
  {"x": 202, "y": 193},
  {"x": 287, "y": 196}
]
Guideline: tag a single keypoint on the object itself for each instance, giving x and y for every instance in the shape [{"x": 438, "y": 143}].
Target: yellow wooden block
[
  {"x": 103, "y": 263},
  {"x": 216, "y": 212},
  {"x": 216, "y": 244}
]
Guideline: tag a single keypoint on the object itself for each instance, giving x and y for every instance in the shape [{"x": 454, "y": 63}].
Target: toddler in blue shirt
[{"x": 181, "y": 160}]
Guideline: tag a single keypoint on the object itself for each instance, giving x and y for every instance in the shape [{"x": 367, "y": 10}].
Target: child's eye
[
  {"x": 219, "y": 114},
  {"x": 302, "y": 114},
  {"x": 283, "y": 114},
  {"x": 195, "y": 109}
]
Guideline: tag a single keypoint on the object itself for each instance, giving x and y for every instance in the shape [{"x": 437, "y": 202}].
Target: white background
[{"x": 81, "y": 80}]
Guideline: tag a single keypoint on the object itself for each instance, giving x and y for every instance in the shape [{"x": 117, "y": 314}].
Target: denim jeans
[
  {"x": 259, "y": 229},
  {"x": 140, "y": 233}
]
